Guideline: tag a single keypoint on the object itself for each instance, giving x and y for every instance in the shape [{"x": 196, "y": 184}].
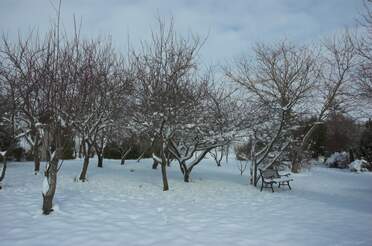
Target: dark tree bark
[
  {"x": 296, "y": 161},
  {"x": 351, "y": 154},
  {"x": 3, "y": 171},
  {"x": 186, "y": 176},
  {"x": 186, "y": 170},
  {"x": 164, "y": 176},
  {"x": 217, "y": 158},
  {"x": 124, "y": 155},
  {"x": 100, "y": 159},
  {"x": 37, "y": 161},
  {"x": 51, "y": 176},
  {"x": 86, "y": 153},
  {"x": 162, "y": 160},
  {"x": 80, "y": 150},
  {"x": 164, "y": 163},
  {"x": 155, "y": 164},
  {"x": 36, "y": 151},
  {"x": 83, "y": 174}
]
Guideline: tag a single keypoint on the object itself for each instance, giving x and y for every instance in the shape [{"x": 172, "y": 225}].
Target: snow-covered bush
[
  {"x": 359, "y": 166},
  {"x": 318, "y": 161},
  {"x": 338, "y": 160}
]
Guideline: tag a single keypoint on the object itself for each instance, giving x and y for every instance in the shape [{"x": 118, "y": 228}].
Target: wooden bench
[{"x": 269, "y": 177}]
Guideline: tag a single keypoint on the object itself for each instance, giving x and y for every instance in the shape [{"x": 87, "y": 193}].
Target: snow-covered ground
[{"x": 125, "y": 205}]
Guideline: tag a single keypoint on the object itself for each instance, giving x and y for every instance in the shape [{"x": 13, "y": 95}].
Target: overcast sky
[{"x": 232, "y": 26}]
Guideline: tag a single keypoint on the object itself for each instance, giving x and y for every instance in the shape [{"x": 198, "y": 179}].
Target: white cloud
[{"x": 233, "y": 26}]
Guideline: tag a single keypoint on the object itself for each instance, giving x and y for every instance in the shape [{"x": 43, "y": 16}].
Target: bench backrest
[{"x": 269, "y": 173}]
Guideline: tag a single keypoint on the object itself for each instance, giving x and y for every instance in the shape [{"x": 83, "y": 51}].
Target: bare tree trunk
[
  {"x": 164, "y": 171},
  {"x": 186, "y": 170},
  {"x": 80, "y": 150},
  {"x": 255, "y": 175},
  {"x": 141, "y": 156},
  {"x": 182, "y": 169},
  {"x": 86, "y": 152},
  {"x": 227, "y": 152},
  {"x": 36, "y": 160},
  {"x": 351, "y": 155},
  {"x": 100, "y": 159},
  {"x": 155, "y": 164},
  {"x": 254, "y": 166},
  {"x": 164, "y": 176},
  {"x": 186, "y": 177},
  {"x": 296, "y": 160},
  {"x": 83, "y": 174},
  {"x": 254, "y": 169},
  {"x": 164, "y": 166},
  {"x": 2, "y": 176},
  {"x": 36, "y": 153},
  {"x": 44, "y": 146},
  {"x": 123, "y": 156},
  {"x": 51, "y": 178},
  {"x": 299, "y": 152},
  {"x": 217, "y": 158}
]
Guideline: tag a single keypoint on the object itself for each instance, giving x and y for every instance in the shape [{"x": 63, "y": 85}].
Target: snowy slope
[{"x": 118, "y": 206}]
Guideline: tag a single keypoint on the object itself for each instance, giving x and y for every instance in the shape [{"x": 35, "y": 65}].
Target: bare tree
[
  {"x": 217, "y": 154},
  {"x": 24, "y": 69},
  {"x": 97, "y": 83},
  {"x": 242, "y": 166},
  {"x": 213, "y": 123},
  {"x": 122, "y": 137},
  {"x": 165, "y": 68},
  {"x": 364, "y": 52},
  {"x": 7, "y": 134},
  {"x": 335, "y": 66},
  {"x": 277, "y": 83}
]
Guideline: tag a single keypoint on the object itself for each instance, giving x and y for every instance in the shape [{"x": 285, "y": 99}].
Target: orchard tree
[
  {"x": 332, "y": 91},
  {"x": 25, "y": 69},
  {"x": 96, "y": 82},
  {"x": 212, "y": 122},
  {"x": 277, "y": 83},
  {"x": 7, "y": 134},
  {"x": 165, "y": 71}
]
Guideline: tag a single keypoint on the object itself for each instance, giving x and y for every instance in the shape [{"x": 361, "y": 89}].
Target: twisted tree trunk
[
  {"x": 50, "y": 183},
  {"x": 83, "y": 174}
]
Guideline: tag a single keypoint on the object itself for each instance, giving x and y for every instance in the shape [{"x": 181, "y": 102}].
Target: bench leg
[
  {"x": 272, "y": 187},
  {"x": 279, "y": 185},
  {"x": 289, "y": 185},
  {"x": 261, "y": 186}
]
